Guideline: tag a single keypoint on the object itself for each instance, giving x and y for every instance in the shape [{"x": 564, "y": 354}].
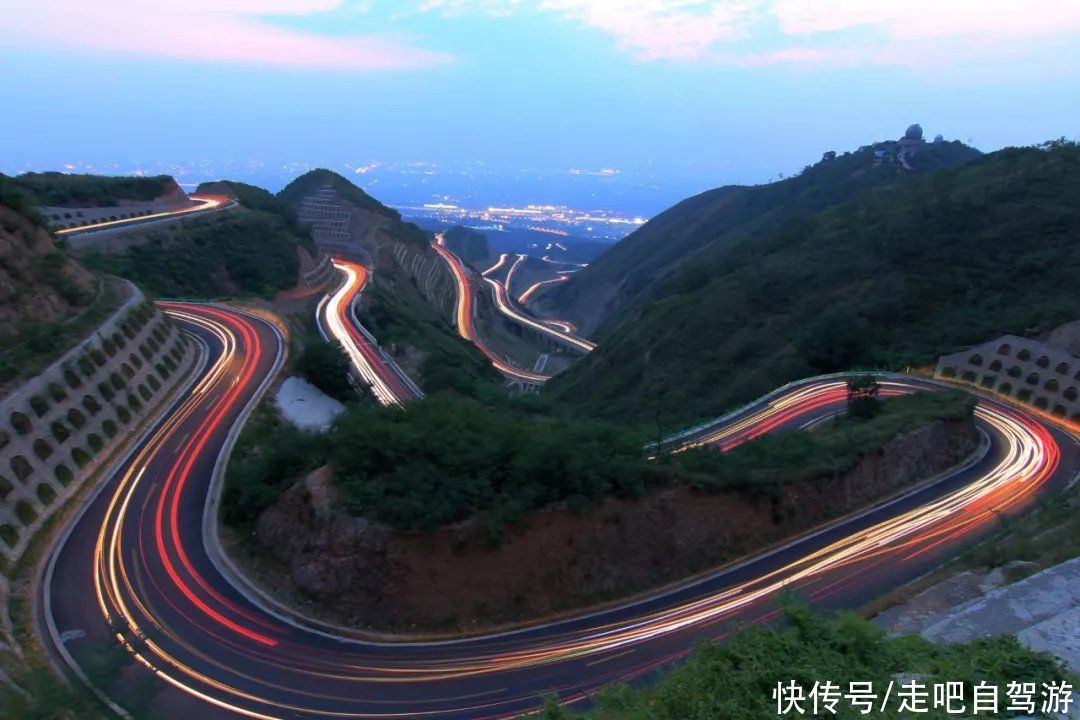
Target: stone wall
[
  {"x": 56, "y": 428},
  {"x": 1045, "y": 377}
]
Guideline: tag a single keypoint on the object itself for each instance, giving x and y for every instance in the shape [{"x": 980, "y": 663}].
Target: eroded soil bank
[{"x": 350, "y": 571}]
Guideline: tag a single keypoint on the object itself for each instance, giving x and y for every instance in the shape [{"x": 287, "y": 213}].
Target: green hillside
[
  {"x": 639, "y": 268},
  {"x": 905, "y": 273},
  {"x": 294, "y": 192},
  {"x": 469, "y": 245},
  {"x": 56, "y": 189},
  {"x": 250, "y": 196},
  {"x": 228, "y": 254},
  {"x": 292, "y": 195}
]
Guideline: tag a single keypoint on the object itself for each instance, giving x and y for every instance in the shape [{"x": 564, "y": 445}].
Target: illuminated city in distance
[{"x": 553, "y": 219}]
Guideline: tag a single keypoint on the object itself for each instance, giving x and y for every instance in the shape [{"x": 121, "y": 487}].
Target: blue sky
[{"x": 703, "y": 92}]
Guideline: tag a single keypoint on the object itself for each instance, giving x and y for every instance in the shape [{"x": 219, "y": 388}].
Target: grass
[{"x": 41, "y": 344}]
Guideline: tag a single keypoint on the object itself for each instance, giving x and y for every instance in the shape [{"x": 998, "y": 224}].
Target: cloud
[
  {"x": 223, "y": 31},
  {"x": 804, "y": 32}
]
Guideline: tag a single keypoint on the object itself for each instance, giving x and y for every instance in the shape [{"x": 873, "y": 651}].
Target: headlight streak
[
  {"x": 531, "y": 290},
  {"x": 502, "y": 301},
  {"x": 205, "y": 202},
  {"x": 225, "y": 629},
  {"x": 463, "y": 315},
  {"x": 383, "y": 381}
]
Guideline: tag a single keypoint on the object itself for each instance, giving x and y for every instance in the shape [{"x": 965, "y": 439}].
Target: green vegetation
[
  {"x": 943, "y": 259},
  {"x": 447, "y": 459},
  {"x": 399, "y": 317},
  {"x": 292, "y": 195},
  {"x": 243, "y": 252},
  {"x": 469, "y": 245},
  {"x": 687, "y": 238},
  {"x": 250, "y": 196},
  {"x": 54, "y": 189},
  {"x": 325, "y": 366},
  {"x": 14, "y": 197},
  {"x": 294, "y": 192},
  {"x": 772, "y": 461},
  {"x": 269, "y": 456},
  {"x": 451, "y": 458},
  {"x": 735, "y": 679}
]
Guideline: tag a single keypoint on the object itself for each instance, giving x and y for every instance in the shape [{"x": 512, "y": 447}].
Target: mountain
[
  {"x": 410, "y": 298},
  {"x": 54, "y": 189},
  {"x": 469, "y": 245},
  {"x": 256, "y": 249},
  {"x": 639, "y": 268},
  {"x": 894, "y": 278},
  {"x": 41, "y": 289}
]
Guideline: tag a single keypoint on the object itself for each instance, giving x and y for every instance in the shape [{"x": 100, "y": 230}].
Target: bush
[
  {"x": 734, "y": 678},
  {"x": 325, "y": 366}
]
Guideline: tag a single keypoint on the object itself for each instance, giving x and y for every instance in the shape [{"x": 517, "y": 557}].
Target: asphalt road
[{"x": 136, "y": 567}]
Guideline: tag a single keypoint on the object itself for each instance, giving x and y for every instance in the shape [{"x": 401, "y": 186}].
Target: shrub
[
  {"x": 25, "y": 512},
  {"x": 39, "y": 405},
  {"x": 21, "y": 423},
  {"x": 45, "y": 494},
  {"x": 71, "y": 379},
  {"x": 64, "y": 476},
  {"x": 60, "y": 432},
  {"x": 42, "y": 449},
  {"x": 56, "y": 392},
  {"x": 80, "y": 457}
]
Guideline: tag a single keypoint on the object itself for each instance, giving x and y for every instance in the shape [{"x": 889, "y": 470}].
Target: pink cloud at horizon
[{"x": 227, "y": 31}]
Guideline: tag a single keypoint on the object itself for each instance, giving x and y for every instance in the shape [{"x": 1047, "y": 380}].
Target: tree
[
  {"x": 862, "y": 397},
  {"x": 325, "y": 366}
]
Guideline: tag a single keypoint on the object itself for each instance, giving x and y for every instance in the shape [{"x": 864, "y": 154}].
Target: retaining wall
[{"x": 57, "y": 427}]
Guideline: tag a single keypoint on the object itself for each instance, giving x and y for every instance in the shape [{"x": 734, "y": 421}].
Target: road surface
[
  {"x": 337, "y": 318},
  {"x": 202, "y": 204},
  {"x": 136, "y": 568},
  {"x": 463, "y": 318}
]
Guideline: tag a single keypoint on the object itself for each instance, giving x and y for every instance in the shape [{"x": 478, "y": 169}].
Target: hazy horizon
[{"x": 679, "y": 95}]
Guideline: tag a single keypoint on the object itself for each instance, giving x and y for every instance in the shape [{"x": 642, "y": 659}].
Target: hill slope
[
  {"x": 42, "y": 291},
  {"x": 410, "y": 298},
  {"x": 54, "y": 189},
  {"x": 907, "y": 272},
  {"x": 254, "y": 249},
  {"x": 637, "y": 270}
]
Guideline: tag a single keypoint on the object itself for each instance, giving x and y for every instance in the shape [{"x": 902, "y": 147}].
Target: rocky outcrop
[{"x": 358, "y": 572}]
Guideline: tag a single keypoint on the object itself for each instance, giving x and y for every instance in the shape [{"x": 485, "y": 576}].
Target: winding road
[
  {"x": 201, "y": 204},
  {"x": 336, "y": 316},
  {"x": 139, "y": 566},
  {"x": 463, "y": 318}
]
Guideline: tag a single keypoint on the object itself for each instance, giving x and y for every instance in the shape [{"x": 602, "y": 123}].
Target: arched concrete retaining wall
[
  {"x": 57, "y": 427},
  {"x": 1029, "y": 371}
]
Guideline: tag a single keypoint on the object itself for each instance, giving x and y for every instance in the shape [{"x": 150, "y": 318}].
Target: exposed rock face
[
  {"x": 362, "y": 573},
  {"x": 37, "y": 283}
]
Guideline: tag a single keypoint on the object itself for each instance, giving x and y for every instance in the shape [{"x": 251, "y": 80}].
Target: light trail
[
  {"x": 155, "y": 593},
  {"x": 524, "y": 297},
  {"x": 205, "y": 203},
  {"x": 510, "y": 272},
  {"x": 336, "y": 315},
  {"x": 506, "y": 308},
  {"x": 463, "y": 313},
  {"x": 498, "y": 264}
]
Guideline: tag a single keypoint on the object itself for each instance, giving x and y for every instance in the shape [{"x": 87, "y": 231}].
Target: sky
[{"x": 690, "y": 94}]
